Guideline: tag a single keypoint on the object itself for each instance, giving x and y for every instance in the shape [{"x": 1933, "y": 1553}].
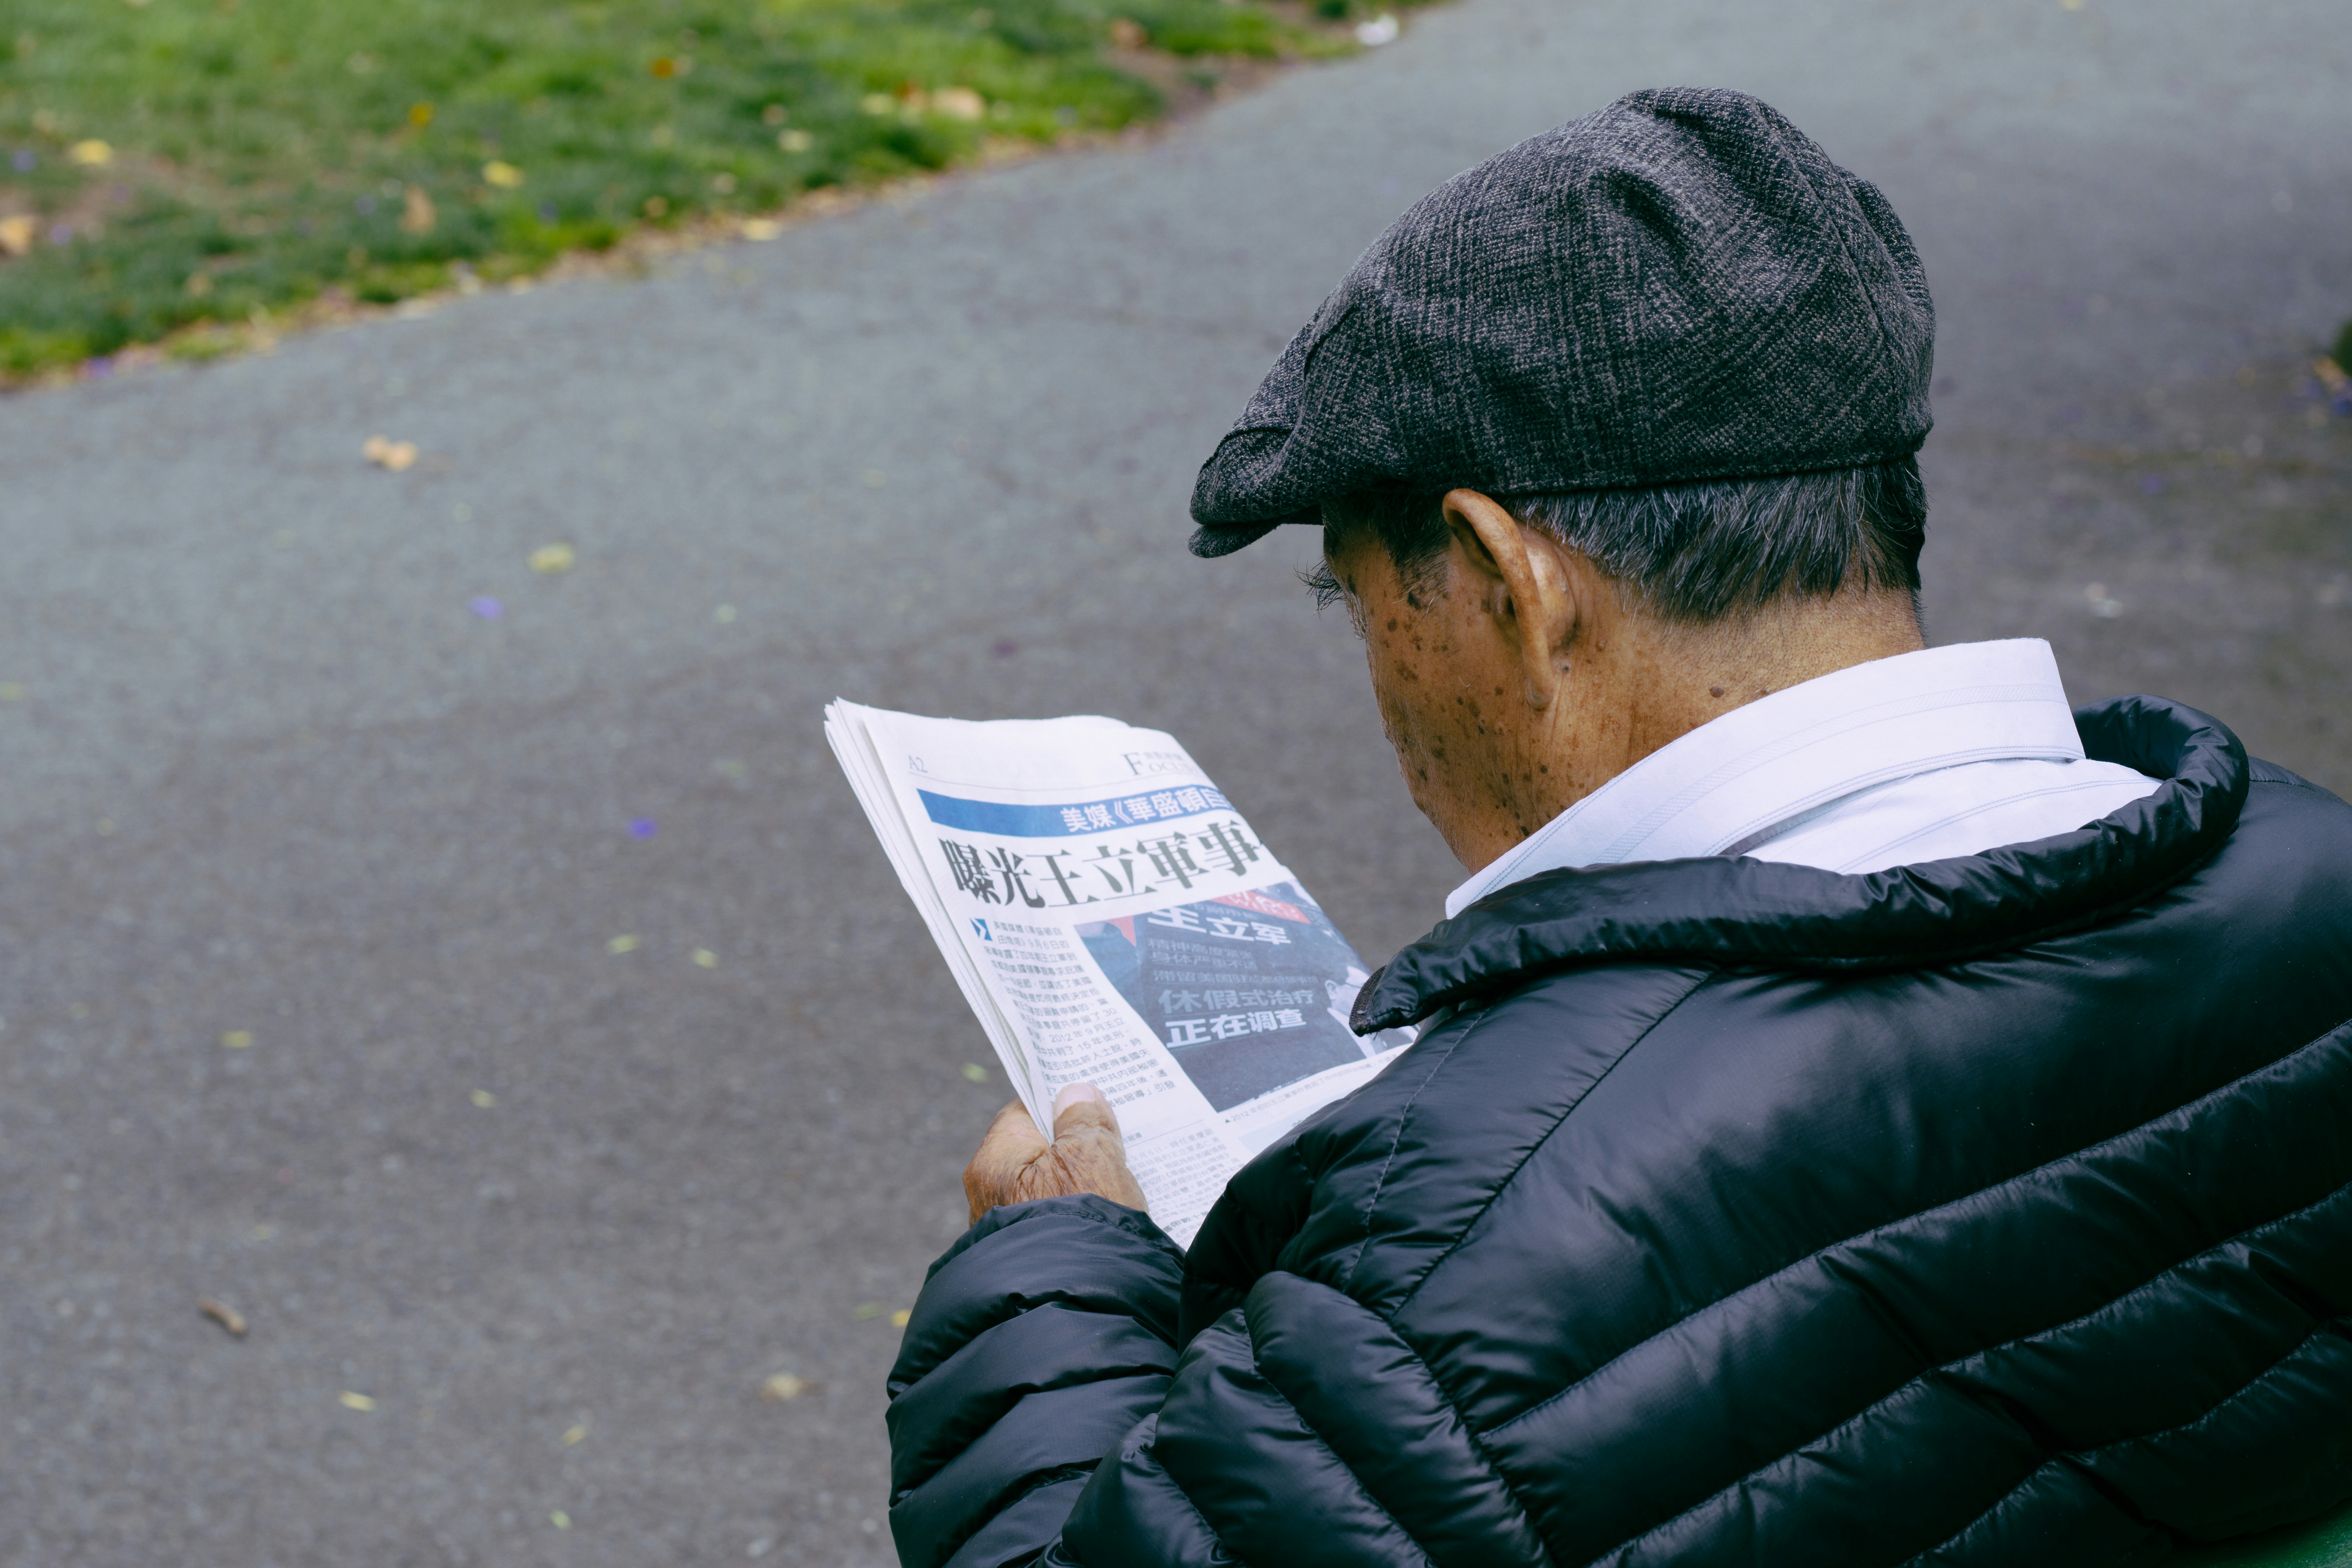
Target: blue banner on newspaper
[{"x": 1085, "y": 816}]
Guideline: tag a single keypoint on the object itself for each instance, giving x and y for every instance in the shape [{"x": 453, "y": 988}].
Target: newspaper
[{"x": 1114, "y": 920}]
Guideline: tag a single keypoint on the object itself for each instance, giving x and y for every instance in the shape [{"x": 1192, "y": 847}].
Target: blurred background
[{"x": 454, "y": 453}]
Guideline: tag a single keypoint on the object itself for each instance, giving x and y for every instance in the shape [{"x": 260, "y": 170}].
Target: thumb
[
  {"x": 1088, "y": 1155},
  {"x": 1081, "y": 1108}
]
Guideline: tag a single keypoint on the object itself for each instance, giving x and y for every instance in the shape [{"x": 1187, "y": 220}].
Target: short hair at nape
[{"x": 1691, "y": 553}]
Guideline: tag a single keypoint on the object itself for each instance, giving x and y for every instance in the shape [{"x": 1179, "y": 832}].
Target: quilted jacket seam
[
  {"x": 1396, "y": 1140},
  {"x": 2302, "y": 783},
  {"x": 2341, "y": 1323},
  {"x": 1513, "y": 1174},
  {"x": 2338, "y": 1324},
  {"x": 1239, "y": 1562},
  {"x": 2079, "y": 1318},
  {"x": 1094, "y": 1377},
  {"x": 1469, "y": 1432},
  {"x": 2019, "y": 1180},
  {"x": 1206, "y": 1523},
  {"x": 1023, "y": 1303},
  {"x": 1325, "y": 1444}
]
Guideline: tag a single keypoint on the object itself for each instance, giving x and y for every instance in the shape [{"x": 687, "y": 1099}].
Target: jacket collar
[{"x": 1755, "y": 913}]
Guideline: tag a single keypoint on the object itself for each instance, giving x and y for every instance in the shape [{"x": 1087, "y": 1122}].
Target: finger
[
  {"x": 1012, "y": 1145},
  {"x": 1083, "y": 1106},
  {"x": 1089, "y": 1161},
  {"x": 1012, "y": 1141},
  {"x": 1089, "y": 1154},
  {"x": 1013, "y": 1126}
]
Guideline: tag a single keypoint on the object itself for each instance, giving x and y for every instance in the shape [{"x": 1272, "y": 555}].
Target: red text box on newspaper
[{"x": 1258, "y": 903}]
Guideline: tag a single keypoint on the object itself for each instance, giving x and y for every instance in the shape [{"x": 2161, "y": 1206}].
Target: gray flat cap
[{"x": 1680, "y": 287}]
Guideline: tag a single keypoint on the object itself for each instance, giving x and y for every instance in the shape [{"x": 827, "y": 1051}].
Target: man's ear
[{"x": 1522, "y": 581}]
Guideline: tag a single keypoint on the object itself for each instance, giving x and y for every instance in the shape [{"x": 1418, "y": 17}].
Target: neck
[
  {"x": 1643, "y": 683},
  {"x": 1676, "y": 677}
]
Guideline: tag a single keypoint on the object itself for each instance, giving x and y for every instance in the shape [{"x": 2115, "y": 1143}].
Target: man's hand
[{"x": 1015, "y": 1164}]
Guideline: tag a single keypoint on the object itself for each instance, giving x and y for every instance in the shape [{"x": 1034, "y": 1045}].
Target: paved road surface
[{"x": 269, "y": 772}]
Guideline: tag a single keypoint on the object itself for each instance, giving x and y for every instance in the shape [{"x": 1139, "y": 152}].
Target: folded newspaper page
[{"x": 1113, "y": 921}]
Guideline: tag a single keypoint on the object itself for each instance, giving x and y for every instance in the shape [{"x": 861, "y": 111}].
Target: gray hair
[{"x": 1693, "y": 552}]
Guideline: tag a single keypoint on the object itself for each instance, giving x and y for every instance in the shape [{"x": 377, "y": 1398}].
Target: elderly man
[{"x": 1863, "y": 1112}]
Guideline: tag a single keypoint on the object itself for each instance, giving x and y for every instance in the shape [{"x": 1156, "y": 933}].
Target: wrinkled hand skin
[{"x": 1015, "y": 1164}]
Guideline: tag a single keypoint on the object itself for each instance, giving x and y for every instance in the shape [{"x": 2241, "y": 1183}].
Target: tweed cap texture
[{"x": 1680, "y": 287}]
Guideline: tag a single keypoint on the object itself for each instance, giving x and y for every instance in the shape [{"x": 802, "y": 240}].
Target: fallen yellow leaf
[
  {"x": 560, "y": 1519},
  {"x": 396, "y": 456},
  {"x": 959, "y": 103},
  {"x": 899, "y": 1319},
  {"x": 761, "y": 229},
  {"x": 782, "y": 1386},
  {"x": 795, "y": 140},
  {"x": 91, "y": 154},
  {"x": 355, "y": 1401},
  {"x": 16, "y": 234},
  {"x": 483, "y": 1099},
  {"x": 574, "y": 1436},
  {"x": 501, "y": 174},
  {"x": 705, "y": 959},
  {"x": 548, "y": 560},
  {"x": 237, "y": 1040},
  {"x": 622, "y": 944}
]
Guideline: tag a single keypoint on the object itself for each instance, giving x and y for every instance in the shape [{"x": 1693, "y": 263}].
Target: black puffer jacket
[{"x": 1992, "y": 1210}]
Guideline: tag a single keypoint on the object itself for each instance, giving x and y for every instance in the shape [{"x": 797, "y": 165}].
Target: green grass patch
[{"x": 165, "y": 163}]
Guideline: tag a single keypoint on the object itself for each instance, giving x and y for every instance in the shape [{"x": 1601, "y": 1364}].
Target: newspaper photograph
[{"x": 1113, "y": 920}]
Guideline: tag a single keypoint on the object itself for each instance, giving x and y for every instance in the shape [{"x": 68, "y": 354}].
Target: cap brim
[{"x": 1211, "y": 543}]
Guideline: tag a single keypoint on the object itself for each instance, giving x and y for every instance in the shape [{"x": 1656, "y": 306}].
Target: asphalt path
[{"x": 558, "y": 1216}]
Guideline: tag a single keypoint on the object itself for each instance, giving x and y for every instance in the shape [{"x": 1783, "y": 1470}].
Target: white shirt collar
[{"x": 1732, "y": 782}]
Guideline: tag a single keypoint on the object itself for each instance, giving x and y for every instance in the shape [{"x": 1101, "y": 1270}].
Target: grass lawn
[{"x": 168, "y": 162}]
